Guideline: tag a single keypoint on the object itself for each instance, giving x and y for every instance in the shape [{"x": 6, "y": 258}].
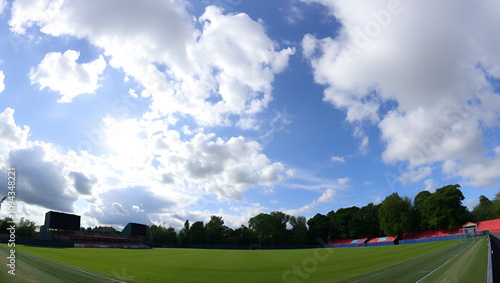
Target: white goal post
[{"x": 468, "y": 234}]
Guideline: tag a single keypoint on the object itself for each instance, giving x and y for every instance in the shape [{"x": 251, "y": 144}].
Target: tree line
[{"x": 395, "y": 215}]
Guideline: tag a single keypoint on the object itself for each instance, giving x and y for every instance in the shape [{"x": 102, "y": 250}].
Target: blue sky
[{"x": 162, "y": 111}]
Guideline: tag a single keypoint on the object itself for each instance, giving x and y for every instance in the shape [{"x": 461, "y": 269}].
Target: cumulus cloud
[
  {"x": 430, "y": 185},
  {"x": 112, "y": 206},
  {"x": 437, "y": 77},
  {"x": 225, "y": 68},
  {"x": 338, "y": 159},
  {"x": 11, "y": 135},
  {"x": 204, "y": 162},
  {"x": 3, "y": 4},
  {"x": 327, "y": 196},
  {"x": 412, "y": 176},
  {"x": 41, "y": 182},
  {"x": 82, "y": 183},
  {"x": 137, "y": 209},
  {"x": 225, "y": 168},
  {"x": 118, "y": 208},
  {"x": 60, "y": 72},
  {"x": 2, "y": 77}
]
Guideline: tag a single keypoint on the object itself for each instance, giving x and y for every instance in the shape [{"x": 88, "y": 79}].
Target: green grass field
[{"x": 404, "y": 263}]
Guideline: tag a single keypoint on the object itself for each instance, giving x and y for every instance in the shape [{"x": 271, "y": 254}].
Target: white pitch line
[
  {"x": 443, "y": 264},
  {"x": 76, "y": 269}
]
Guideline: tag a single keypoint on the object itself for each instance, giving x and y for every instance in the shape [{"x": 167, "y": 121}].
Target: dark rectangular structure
[
  {"x": 62, "y": 221},
  {"x": 134, "y": 229},
  {"x": 495, "y": 255}
]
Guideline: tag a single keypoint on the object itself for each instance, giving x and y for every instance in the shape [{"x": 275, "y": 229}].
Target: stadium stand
[
  {"x": 382, "y": 241},
  {"x": 64, "y": 228},
  {"x": 428, "y": 234},
  {"x": 347, "y": 243},
  {"x": 488, "y": 225},
  {"x": 493, "y": 226},
  {"x": 446, "y": 232},
  {"x": 411, "y": 235}
]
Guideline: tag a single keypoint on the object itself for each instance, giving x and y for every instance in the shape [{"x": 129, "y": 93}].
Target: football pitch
[{"x": 445, "y": 261}]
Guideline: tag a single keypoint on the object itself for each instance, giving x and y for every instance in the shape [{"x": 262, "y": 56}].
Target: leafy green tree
[
  {"x": 162, "y": 235},
  {"x": 421, "y": 220},
  {"x": 444, "y": 209},
  {"x": 365, "y": 222},
  {"x": 4, "y": 224},
  {"x": 319, "y": 228},
  {"x": 245, "y": 236},
  {"x": 340, "y": 221},
  {"x": 396, "y": 215},
  {"x": 262, "y": 226},
  {"x": 216, "y": 230},
  {"x": 184, "y": 234},
  {"x": 484, "y": 210},
  {"x": 197, "y": 234},
  {"x": 270, "y": 228},
  {"x": 299, "y": 230},
  {"x": 25, "y": 228}
]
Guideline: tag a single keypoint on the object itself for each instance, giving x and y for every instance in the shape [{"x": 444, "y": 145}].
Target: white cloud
[
  {"x": 327, "y": 196},
  {"x": 60, "y": 72},
  {"x": 438, "y": 72},
  {"x": 42, "y": 181},
  {"x": 343, "y": 181},
  {"x": 471, "y": 203},
  {"x": 363, "y": 146},
  {"x": 82, "y": 183},
  {"x": 119, "y": 209},
  {"x": 224, "y": 69},
  {"x": 294, "y": 14},
  {"x": 3, "y": 4},
  {"x": 137, "y": 209},
  {"x": 206, "y": 163},
  {"x": 412, "y": 176},
  {"x": 11, "y": 135},
  {"x": 338, "y": 159},
  {"x": 2, "y": 78},
  {"x": 430, "y": 185}
]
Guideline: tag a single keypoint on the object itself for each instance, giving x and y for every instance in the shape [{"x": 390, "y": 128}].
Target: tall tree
[
  {"x": 444, "y": 209},
  {"x": 484, "y": 210},
  {"x": 25, "y": 228},
  {"x": 319, "y": 228},
  {"x": 4, "y": 224},
  {"x": 299, "y": 230},
  {"x": 421, "y": 220},
  {"x": 184, "y": 234},
  {"x": 216, "y": 230},
  {"x": 365, "y": 222},
  {"x": 270, "y": 228},
  {"x": 262, "y": 226},
  {"x": 340, "y": 221},
  {"x": 395, "y": 215},
  {"x": 197, "y": 235}
]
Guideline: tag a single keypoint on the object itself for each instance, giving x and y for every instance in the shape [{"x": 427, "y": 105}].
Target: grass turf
[{"x": 195, "y": 265}]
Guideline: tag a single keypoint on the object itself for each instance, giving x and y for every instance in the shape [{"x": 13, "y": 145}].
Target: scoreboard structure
[
  {"x": 58, "y": 221},
  {"x": 134, "y": 229},
  {"x": 62, "y": 221}
]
